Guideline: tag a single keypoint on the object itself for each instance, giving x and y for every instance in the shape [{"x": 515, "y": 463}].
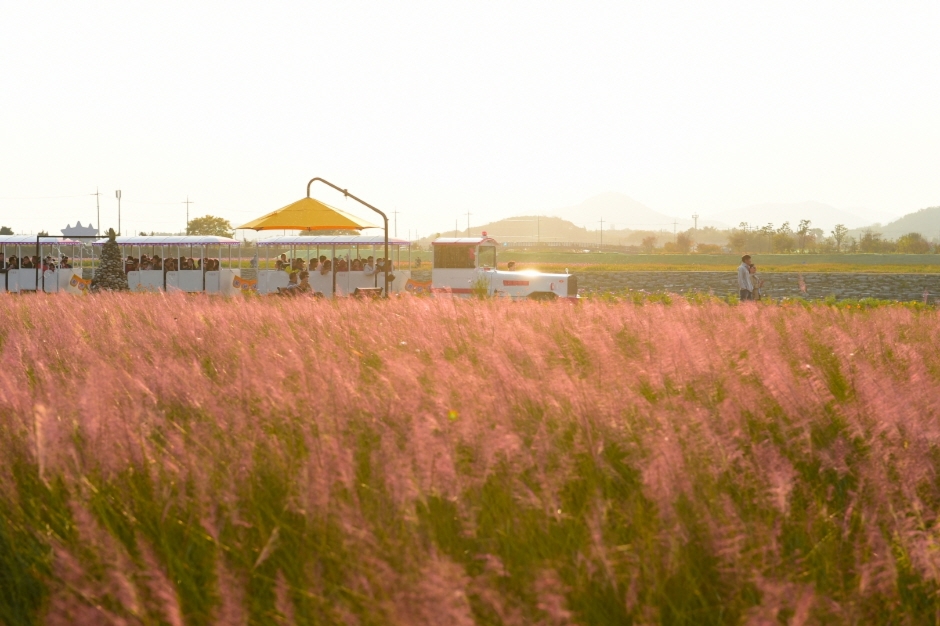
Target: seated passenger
[
  {"x": 279, "y": 265},
  {"x": 326, "y": 267},
  {"x": 369, "y": 268},
  {"x": 156, "y": 263},
  {"x": 65, "y": 263},
  {"x": 342, "y": 265},
  {"x": 291, "y": 285},
  {"x": 304, "y": 285},
  {"x": 357, "y": 264}
]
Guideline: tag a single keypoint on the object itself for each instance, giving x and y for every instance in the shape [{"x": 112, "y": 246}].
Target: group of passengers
[
  {"x": 324, "y": 266},
  {"x": 155, "y": 262},
  {"x": 32, "y": 262},
  {"x": 299, "y": 270},
  {"x": 298, "y": 284}
]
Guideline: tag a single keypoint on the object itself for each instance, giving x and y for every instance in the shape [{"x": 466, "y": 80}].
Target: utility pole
[
  {"x": 538, "y": 230},
  {"x": 187, "y": 203},
  {"x": 97, "y": 195},
  {"x": 456, "y": 232},
  {"x": 468, "y": 223},
  {"x": 602, "y": 231},
  {"x": 395, "y": 213},
  {"x": 695, "y": 217},
  {"x": 118, "y": 196},
  {"x": 675, "y": 233}
]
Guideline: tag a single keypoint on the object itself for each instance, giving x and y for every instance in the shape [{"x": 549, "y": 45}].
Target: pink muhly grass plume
[
  {"x": 205, "y": 460},
  {"x": 437, "y": 596}
]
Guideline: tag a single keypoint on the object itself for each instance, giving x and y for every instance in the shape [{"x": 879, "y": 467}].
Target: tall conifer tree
[{"x": 110, "y": 274}]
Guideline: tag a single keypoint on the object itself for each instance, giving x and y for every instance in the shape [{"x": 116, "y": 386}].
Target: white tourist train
[{"x": 220, "y": 265}]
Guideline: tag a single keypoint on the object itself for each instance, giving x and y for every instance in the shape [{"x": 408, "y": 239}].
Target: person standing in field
[
  {"x": 745, "y": 287},
  {"x": 756, "y": 282}
]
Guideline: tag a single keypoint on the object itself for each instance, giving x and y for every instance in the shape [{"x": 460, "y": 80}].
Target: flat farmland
[
  {"x": 192, "y": 460},
  {"x": 549, "y": 261}
]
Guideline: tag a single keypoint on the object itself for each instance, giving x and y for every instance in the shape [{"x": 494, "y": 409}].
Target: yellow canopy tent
[{"x": 308, "y": 214}]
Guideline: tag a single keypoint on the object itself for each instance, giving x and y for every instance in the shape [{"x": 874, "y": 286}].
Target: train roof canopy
[
  {"x": 462, "y": 241},
  {"x": 331, "y": 240},
  {"x": 172, "y": 240},
  {"x": 308, "y": 214},
  {"x": 30, "y": 240}
]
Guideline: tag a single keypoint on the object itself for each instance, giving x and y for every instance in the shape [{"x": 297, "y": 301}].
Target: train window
[
  {"x": 454, "y": 257},
  {"x": 487, "y": 257}
]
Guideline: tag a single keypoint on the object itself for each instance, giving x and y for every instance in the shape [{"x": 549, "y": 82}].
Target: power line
[{"x": 42, "y": 197}]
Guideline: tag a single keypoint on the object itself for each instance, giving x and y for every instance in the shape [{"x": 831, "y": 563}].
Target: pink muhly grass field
[{"x": 192, "y": 460}]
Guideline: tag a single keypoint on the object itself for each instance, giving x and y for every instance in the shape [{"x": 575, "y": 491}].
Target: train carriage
[
  {"x": 173, "y": 275},
  {"x": 19, "y": 279},
  {"x": 338, "y": 249}
]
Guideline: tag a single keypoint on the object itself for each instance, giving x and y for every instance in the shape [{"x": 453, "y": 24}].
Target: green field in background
[{"x": 614, "y": 261}]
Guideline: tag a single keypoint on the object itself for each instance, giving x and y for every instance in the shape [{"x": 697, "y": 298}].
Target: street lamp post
[{"x": 117, "y": 194}]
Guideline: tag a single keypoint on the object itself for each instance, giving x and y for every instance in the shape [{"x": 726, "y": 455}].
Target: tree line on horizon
[{"x": 766, "y": 239}]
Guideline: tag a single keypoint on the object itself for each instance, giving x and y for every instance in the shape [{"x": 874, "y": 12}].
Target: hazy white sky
[{"x": 434, "y": 109}]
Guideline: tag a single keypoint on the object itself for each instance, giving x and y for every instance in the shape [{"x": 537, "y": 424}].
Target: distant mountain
[
  {"x": 926, "y": 222},
  {"x": 821, "y": 215},
  {"x": 532, "y": 228},
  {"x": 627, "y": 221},
  {"x": 618, "y": 211}
]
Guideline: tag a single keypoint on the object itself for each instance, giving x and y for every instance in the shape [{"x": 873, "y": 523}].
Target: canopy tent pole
[
  {"x": 362, "y": 202},
  {"x": 333, "y": 268},
  {"x": 36, "y": 265}
]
